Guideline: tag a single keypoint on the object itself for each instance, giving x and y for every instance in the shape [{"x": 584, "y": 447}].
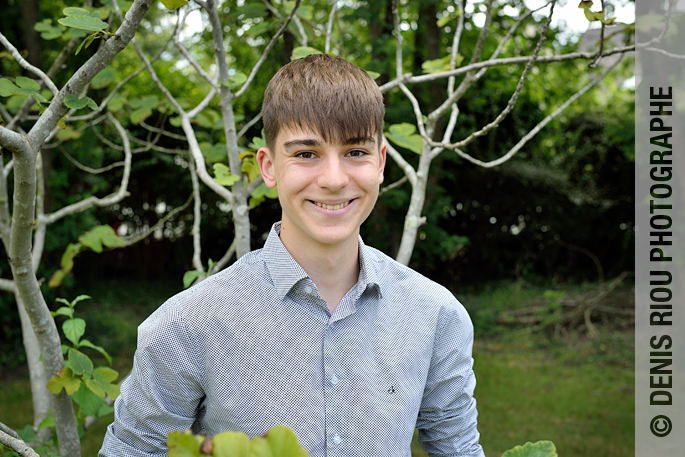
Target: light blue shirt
[{"x": 256, "y": 346}]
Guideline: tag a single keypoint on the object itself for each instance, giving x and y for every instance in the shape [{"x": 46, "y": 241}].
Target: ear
[
  {"x": 381, "y": 161},
  {"x": 266, "y": 166}
]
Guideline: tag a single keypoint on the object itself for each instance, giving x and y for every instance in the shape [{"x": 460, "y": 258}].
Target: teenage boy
[{"x": 315, "y": 331}]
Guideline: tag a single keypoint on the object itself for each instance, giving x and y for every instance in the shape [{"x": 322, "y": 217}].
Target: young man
[{"x": 315, "y": 331}]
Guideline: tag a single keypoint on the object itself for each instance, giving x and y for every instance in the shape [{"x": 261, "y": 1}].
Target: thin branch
[
  {"x": 197, "y": 218},
  {"x": 536, "y": 129},
  {"x": 266, "y": 51},
  {"x": 302, "y": 38},
  {"x": 398, "y": 39},
  {"x": 8, "y": 168},
  {"x": 404, "y": 165},
  {"x": 8, "y": 430},
  {"x": 23, "y": 449},
  {"x": 94, "y": 171},
  {"x": 27, "y": 66},
  {"x": 13, "y": 141},
  {"x": 253, "y": 185},
  {"x": 94, "y": 201},
  {"x": 329, "y": 27},
  {"x": 160, "y": 223},
  {"x": 162, "y": 131},
  {"x": 666, "y": 53},
  {"x": 8, "y": 286},
  {"x": 514, "y": 98},
  {"x": 247, "y": 126},
  {"x": 185, "y": 52},
  {"x": 224, "y": 260},
  {"x": 411, "y": 79},
  {"x": 394, "y": 185},
  {"x": 455, "y": 47}
]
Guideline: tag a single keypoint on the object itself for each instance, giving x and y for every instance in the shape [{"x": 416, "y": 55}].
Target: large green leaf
[
  {"x": 23, "y": 86},
  {"x": 86, "y": 21},
  {"x": 143, "y": 107},
  {"x": 438, "y": 65},
  {"x": 91, "y": 404},
  {"x": 174, "y": 4},
  {"x": 63, "y": 311},
  {"x": 64, "y": 379},
  {"x": 190, "y": 276},
  {"x": 303, "y": 51},
  {"x": 101, "y": 384},
  {"x": 47, "y": 30},
  {"x": 79, "y": 362},
  {"x": 71, "y": 101},
  {"x": 404, "y": 135},
  {"x": 222, "y": 175},
  {"x": 213, "y": 152},
  {"x": 99, "y": 236},
  {"x": 234, "y": 444},
  {"x": 104, "y": 78},
  {"x": 74, "y": 329},
  {"x": 184, "y": 444},
  {"x": 283, "y": 442},
  {"x": 538, "y": 449}
]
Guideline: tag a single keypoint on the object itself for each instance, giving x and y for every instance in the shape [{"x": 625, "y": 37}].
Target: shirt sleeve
[
  {"x": 447, "y": 419},
  {"x": 162, "y": 394}
]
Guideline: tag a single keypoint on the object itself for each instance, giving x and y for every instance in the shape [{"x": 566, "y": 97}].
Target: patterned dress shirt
[{"x": 256, "y": 346}]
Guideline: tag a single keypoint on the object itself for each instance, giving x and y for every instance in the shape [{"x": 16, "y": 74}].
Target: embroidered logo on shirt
[{"x": 391, "y": 390}]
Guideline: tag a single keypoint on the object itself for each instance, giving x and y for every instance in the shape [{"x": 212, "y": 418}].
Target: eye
[
  {"x": 357, "y": 153},
  {"x": 305, "y": 155}
]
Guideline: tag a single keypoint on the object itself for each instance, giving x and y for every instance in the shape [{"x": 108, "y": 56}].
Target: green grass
[{"x": 576, "y": 392}]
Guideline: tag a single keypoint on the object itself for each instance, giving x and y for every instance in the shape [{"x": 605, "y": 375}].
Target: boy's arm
[
  {"x": 447, "y": 417},
  {"x": 161, "y": 395}
]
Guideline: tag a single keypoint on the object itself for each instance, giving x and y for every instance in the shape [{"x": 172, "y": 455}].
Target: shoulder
[
  {"x": 399, "y": 282},
  {"x": 203, "y": 302}
]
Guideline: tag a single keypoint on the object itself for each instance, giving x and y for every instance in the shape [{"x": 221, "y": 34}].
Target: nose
[{"x": 333, "y": 175}]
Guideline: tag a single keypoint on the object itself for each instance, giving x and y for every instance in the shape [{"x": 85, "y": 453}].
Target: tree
[{"x": 212, "y": 130}]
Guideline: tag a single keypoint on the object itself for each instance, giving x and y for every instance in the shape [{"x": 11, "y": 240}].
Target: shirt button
[
  {"x": 334, "y": 379},
  {"x": 307, "y": 290},
  {"x": 336, "y": 439}
]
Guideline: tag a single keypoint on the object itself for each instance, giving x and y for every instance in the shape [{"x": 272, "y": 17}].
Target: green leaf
[
  {"x": 213, "y": 152},
  {"x": 176, "y": 121},
  {"x": 64, "y": 380},
  {"x": 101, "y": 235},
  {"x": 252, "y": 10},
  {"x": 80, "y": 298},
  {"x": 116, "y": 103},
  {"x": 70, "y": 252},
  {"x": 72, "y": 101},
  {"x": 190, "y": 276},
  {"x": 47, "y": 30},
  {"x": 100, "y": 349},
  {"x": 57, "y": 278},
  {"x": 63, "y": 311},
  {"x": 143, "y": 107},
  {"x": 174, "y": 4},
  {"x": 404, "y": 136},
  {"x": 250, "y": 167},
  {"x": 27, "y": 434},
  {"x": 538, "y": 449},
  {"x": 443, "y": 21},
  {"x": 260, "y": 29},
  {"x": 48, "y": 422},
  {"x": 68, "y": 134},
  {"x": 7, "y": 88},
  {"x": 80, "y": 363},
  {"x": 222, "y": 175},
  {"x": 102, "y": 385},
  {"x": 235, "y": 444},
  {"x": 103, "y": 79},
  {"x": 184, "y": 444},
  {"x": 236, "y": 79},
  {"x": 438, "y": 65},
  {"x": 257, "y": 142},
  {"x": 82, "y": 22},
  {"x": 74, "y": 329},
  {"x": 90, "y": 404},
  {"x": 283, "y": 442},
  {"x": 303, "y": 51},
  {"x": 373, "y": 74}
]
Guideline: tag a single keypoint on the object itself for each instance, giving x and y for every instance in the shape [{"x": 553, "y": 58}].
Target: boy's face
[{"x": 326, "y": 190}]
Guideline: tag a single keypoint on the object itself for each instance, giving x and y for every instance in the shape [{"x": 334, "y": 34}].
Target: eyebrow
[{"x": 316, "y": 143}]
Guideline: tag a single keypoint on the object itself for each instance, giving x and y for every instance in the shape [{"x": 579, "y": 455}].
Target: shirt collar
[{"x": 286, "y": 272}]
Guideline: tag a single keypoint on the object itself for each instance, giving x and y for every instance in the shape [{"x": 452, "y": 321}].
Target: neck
[{"x": 333, "y": 268}]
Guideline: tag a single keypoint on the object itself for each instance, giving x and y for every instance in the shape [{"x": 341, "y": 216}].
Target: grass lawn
[{"x": 576, "y": 392}]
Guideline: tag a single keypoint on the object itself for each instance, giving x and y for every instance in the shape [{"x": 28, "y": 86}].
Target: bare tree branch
[
  {"x": 185, "y": 52},
  {"x": 404, "y": 165},
  {"x": 27, "y": 66},
  {"x": 394, "y": 185},
  {"x": 8, "y": 286},
  {"x": 253, "y": 185},
  {"x": 512, "y": 101},
  {"x": 94, "y": 201},
  {"x": 160, "y": 223},
  {"x": 247, "y": 126},
  {"x": 266, "y": 51},
  {"x": 23, "y": 449},
  {"x": 536, "y": 129},
  {"x": 197, "y": 218},
  {"x": 224, "y": 260},
  {"x": 302, "y": 38},
  {"x": 329, "y": 27},
  {"x": 94, "y": 171}
]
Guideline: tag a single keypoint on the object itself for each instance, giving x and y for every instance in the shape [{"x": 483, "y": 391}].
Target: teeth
[{"x": 339, "y": 206}]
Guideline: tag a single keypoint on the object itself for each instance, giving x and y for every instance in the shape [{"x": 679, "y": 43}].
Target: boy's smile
[{"x": 326, "y": 190}]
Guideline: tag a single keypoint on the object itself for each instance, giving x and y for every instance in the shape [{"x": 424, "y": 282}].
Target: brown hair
[{"x": 323, "y": 93}]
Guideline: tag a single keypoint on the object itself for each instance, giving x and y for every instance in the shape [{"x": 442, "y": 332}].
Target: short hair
[{"x": 326, "y": 94}]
